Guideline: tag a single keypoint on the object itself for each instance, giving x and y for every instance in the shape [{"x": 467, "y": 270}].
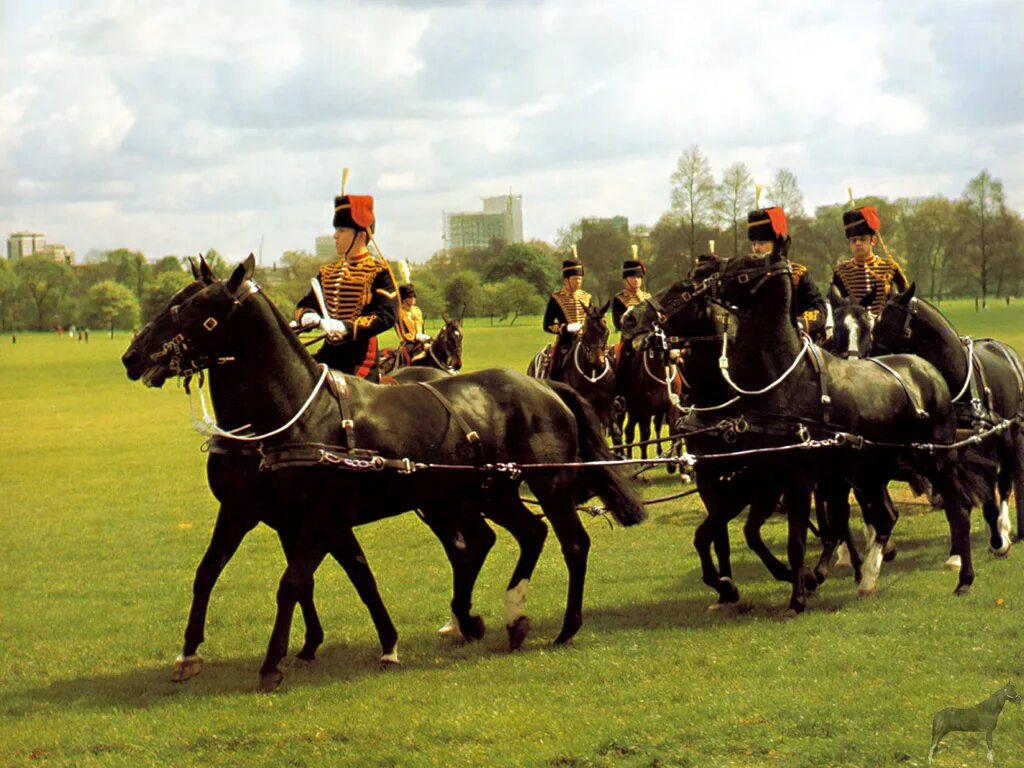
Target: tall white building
[
  {"x": 22, "y": 244},
  {"x": 501, "y": 219}
]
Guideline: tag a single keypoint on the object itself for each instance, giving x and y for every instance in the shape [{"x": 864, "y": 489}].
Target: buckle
[{"x": 210, "y": 323}]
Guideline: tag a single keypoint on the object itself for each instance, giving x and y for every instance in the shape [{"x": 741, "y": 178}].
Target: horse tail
[
  {"x": 603, "y": 481},
  {"x": 973, "y": 475}
]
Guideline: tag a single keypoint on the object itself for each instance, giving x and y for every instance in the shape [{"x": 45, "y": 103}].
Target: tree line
[{"x": 969, "y": 246}]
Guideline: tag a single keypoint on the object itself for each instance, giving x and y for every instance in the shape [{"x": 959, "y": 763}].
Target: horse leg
[
  {"x": 999, "y": 526},
  {"x": 314, "y": 629},
  {"x": 798, "y": 497},
  {"x": 529, "y": 531},
  {"x": 560, "y": 509},
  {"x": 870, "y": 495},
  {"x": 959, "y": 526},
  {"x": 1017, "y": 465},
  {"x": 723, "y": 504},
  {"x": 466, "y": 541},
  {"x": 761, "y": 508},
  {"x": 234, "y": 521},
  {"x": 299, "y": 571}
]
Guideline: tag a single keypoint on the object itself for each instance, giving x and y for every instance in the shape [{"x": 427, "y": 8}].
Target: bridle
[
  {"x": 759, "y": 273},
  {"x": 452, "y": 357},
  {"x": 182, "y": 354}
]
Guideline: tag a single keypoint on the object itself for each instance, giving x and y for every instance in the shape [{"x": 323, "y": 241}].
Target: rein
[
  {"x": 591, "y": 379},
  {"x": 723, "y": 363}
]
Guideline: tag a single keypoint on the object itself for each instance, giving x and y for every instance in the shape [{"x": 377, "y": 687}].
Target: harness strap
[
  {"x": 472, "y": 437},
  {"x": 920, "y": 412},
  {"x": 818, "y": 365},
  {"x": 339, "y": 388}
]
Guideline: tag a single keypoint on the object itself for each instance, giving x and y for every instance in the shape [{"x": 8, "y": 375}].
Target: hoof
[
  {"x": 868, "y": 591},
  {"x": 1002, "y": 551},
  {"x": 307, "y": 655},
  {"x": 727, "y": 591},
  {"x": 953, "y": 563},
  {"x": 270, "y": 681},
  {"x": 474, "y": 629},
  {"x": 889, "y": 552},
  {"x": 387, "y": 663},
  {"x": 451, "y": 629},
  {"x": 843, "y": 557},
  {"x": 186, "y": 667},
  {"x": 790, "y": 614},
  {"x": 517, "y": 632},
  {"x": 811, "y": 583},
  {"x": 961, "y": 590}
]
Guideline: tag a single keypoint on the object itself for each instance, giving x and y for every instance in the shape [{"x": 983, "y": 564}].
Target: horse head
[
  {"x": 1011, "y": 693},
  {"x": 895, "y": 326},
  {"x": 189, "y": 331},
  {"x": 447, "y": 346},
  {"x": 593, "y": 338},
  {"x": 853, "y": 324}
]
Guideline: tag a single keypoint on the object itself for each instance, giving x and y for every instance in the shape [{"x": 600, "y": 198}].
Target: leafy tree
[
  {"x": 523, "y": 260},
  {"x": 512, "y": 296},
  {"x": 8, "y": 295},
  {"x": 602, "y": 248},
  {"x": 130, "y": 269},
  {"x": 462, "y": 294},
  {"x": 734, "y": 198},
  {"x": 785, "y": 192},
  {"x": 111, "y": 305},
  {"x": 171, "y": 264},
  {"x": 693, "y": 195},
  {"x": 159, "y": 290},
  {"x": 985, "y": 203},
  {"x": 48, "y": 286},
  {"x": 669, "y": 242}
]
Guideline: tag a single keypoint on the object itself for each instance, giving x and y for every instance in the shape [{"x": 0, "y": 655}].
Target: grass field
[{"x": 105, "y": 512}]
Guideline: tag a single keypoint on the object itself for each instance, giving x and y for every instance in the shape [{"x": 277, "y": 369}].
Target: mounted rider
[
  {"x": 856, "y": 277},
  {"x": 633, "y": 272},
  {"x": 357, "y": 296},
  {"x": 415, "y": 343},
  {"x": 566, "y": 312},
  {"x": 766, "y": 229}
]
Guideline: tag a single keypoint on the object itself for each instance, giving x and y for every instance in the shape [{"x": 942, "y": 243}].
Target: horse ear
[
  {"x": 780, "y": 250},
  {"x": 604, "y": 309},
  {"x": 909, "y": 293},
  {"x": 206, "y": 274},
  {"x": 242, "y": 272},
  {"x": 835, "y": 298},
  {"x": 869, "y": 297},
  {"x": 194, "y": 267}
]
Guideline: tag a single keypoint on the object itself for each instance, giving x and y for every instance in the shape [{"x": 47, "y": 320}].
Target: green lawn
[{"x": 105, "y": 512}]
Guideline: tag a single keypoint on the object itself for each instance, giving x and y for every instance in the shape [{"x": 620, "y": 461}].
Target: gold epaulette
[
  {"x": 572, "y": 304},
  {"x": 348, "y": 286},
  {"x": 858, "y": 279},
  {"x": 799, "y": 270},
  {"x": 632, "y": 298}
]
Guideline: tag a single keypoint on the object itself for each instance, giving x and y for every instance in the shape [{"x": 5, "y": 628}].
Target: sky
[{"x": 174, "y": 128}]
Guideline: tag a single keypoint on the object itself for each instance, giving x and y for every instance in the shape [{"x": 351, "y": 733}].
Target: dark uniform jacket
[
  {"x": 856, "y": 279},
  {"x": 565, "y": 307},
  {"x": 360, "y": 292},
  {"x": 809, "y": 307},
  {"x": 624, "y": 301}
]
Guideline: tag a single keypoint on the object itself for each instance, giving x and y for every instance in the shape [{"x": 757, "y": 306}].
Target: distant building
[
  {"x": 501, "y": 219},
  {"x": 22, "y": 244}
]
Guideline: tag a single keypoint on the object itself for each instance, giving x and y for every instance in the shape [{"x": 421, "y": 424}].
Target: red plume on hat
[{"x": 766, "y": 224}]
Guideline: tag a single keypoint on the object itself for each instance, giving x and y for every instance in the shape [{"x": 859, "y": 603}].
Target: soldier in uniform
[
  {"x": 565, "y": 311},
  {"x": 358, "y": 291},
  {"x": 811, "y": 313},
  {"x": 633, "y": 271},
  {"x": 866, "y": 270},
  {"x": 415, "y": 342}
]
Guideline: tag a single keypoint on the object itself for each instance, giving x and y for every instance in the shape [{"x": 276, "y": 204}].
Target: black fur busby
[
  {"x": 766, "y": 225},
  {"x": 572, "y": 267},
  {"x": 354, "y": 212},
  {"x": 861, "y": 221},
  {"x": 633, "y": 268}
]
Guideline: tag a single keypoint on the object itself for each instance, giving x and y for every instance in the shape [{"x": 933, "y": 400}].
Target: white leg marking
[
  {"x": 390, "y": 658},
  {"x": 515, "y": 599},
  {"x": 953, "y": 563},
  {"x": 843, "y": 557},
  {"x": 853, "y": 330},
  {"x": 872, "y": 564},
  {"x": 1003, "y": 526},
  {"x": 451, "y": 629}
]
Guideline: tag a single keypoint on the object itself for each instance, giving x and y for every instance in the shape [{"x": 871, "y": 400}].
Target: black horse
[
  {"x": 646, "y": 379},
  {"x": 890, "y": 404},
  {"x": 485, "y": 433},
  {"x": 585, "y": 367},
  {"x": 714, "y": 422},
  {"x": 987, "y": 381},
  {"x": 853, "y": 325},
  {"x": 443, "y": 353}
]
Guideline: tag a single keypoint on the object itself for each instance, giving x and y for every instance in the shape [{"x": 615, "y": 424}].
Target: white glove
[
  {"x": 574, "y": 327},
  {"x": 422, "y": 337},
  {"x": 309, "y": 320},
  {"x": 335, "y": 329}
]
